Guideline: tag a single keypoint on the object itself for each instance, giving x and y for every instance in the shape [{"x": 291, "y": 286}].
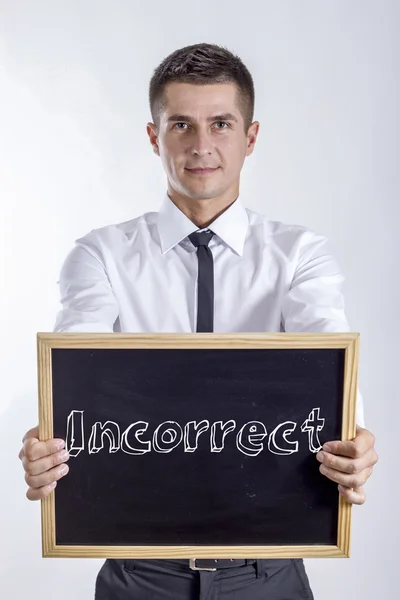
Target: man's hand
[
  {"x": 43, "y": 462},
  {"x": 350, "y": 464}
]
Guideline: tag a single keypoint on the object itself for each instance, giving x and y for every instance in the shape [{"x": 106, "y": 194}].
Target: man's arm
[
  {"x": 88, "y": 305},
  {"x": 87, "y": 299},
  {"x": 315, "y": 303}
]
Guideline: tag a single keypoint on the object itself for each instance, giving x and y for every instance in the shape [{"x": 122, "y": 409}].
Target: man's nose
[{"x": 201, "y": 144}]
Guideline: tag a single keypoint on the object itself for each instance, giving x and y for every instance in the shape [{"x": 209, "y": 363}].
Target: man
[{"x": 204, "y": 262}]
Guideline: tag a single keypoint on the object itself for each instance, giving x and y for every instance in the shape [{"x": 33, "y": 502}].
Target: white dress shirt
[{"x": 141, "y": 276}]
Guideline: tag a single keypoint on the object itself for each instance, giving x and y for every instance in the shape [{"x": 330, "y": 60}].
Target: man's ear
[
  {"x": 252, "y": 137},
  {"x": 153, "y": 136}
]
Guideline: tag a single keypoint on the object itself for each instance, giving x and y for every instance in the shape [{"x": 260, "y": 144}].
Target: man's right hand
[{"x": 43, "y": 462}]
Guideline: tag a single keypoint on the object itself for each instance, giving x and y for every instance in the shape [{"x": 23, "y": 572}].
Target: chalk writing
[{"x": 136, "y": 440}]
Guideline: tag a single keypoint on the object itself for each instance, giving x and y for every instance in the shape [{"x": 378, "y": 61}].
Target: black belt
[{"x": 212, "y": 564}]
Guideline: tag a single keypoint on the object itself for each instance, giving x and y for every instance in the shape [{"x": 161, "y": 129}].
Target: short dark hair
[{"x": 202, "y": 64}]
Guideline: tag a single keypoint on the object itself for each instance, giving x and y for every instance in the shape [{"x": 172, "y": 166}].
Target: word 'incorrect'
[{"x": 170, "y": 434}]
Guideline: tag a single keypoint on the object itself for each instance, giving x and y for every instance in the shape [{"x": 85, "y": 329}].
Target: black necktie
[{"x": 205, "y": 282}]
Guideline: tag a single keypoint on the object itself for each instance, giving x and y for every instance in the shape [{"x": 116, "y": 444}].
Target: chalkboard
[{"x": 193, "y": 446}]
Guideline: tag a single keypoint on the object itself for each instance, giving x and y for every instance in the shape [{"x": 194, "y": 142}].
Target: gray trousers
[{"x": 269, "y": 579}]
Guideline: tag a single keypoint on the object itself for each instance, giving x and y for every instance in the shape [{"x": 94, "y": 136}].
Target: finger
[
  {"x": 40, "y": 493},
  {"x": 349, "y": 481},
  {"x": 42, "y": 465},
  {"x": 32, "y": 433},
  {"x": 33, "y": 449},
  {"x": 347, "y": 465},
  {"x": 37, "y": 481},
  {"x": 355, "y": 448},
  {"x": 356, "y": 496},
  {"x": 348, "y": 449}
]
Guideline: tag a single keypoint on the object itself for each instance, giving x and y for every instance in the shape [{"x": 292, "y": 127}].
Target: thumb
[{"x": 32, "y": 433}]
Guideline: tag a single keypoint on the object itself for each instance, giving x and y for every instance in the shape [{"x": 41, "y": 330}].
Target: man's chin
[
  {"x": 197, "y": 191},
  {"x": 201, "y": 194}
]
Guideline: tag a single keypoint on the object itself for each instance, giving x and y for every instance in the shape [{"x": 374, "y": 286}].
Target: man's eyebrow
[{"x": 222, "y": 117}]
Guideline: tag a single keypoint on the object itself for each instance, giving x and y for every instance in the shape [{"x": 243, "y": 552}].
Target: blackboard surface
[{"x": 197, "y": 497}]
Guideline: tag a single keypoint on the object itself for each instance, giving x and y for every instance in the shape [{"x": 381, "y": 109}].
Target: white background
[{"x": 74, "y": 155}]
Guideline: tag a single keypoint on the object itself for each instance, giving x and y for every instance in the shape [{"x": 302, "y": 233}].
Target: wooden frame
[{"x": 47, "y": 341}]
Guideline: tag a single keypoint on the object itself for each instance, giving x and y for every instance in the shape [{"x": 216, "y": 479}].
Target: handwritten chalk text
[{"x": 166, "y": 437}]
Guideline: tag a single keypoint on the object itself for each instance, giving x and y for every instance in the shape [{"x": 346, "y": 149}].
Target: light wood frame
[{"x": 47, "y": 341}]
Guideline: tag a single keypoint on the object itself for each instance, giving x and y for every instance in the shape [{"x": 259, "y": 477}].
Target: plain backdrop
[{"x": 74, "y": 155}]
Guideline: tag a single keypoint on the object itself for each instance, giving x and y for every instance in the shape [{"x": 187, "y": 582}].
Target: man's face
[{"x": 202, "y": 127}]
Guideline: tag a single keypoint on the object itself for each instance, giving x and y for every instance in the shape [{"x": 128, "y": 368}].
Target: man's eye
[{"x": 223, "y": 122}]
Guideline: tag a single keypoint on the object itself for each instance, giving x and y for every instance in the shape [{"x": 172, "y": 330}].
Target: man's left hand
[{"x": 350, "y": 464}]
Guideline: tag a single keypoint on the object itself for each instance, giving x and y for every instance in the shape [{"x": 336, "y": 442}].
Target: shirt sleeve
[
  {"x": 314, "y": 301},
  {"x": 87, "y": 299}
]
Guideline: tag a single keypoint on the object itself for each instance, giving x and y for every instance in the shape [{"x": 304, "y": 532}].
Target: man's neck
[{"x": 202, "y": 212}]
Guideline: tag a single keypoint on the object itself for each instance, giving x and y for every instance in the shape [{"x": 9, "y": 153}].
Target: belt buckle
[{"x": 192, "y": 565}]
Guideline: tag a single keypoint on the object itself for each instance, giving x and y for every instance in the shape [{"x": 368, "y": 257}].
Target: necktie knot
[{"x": 201, "y": 238}]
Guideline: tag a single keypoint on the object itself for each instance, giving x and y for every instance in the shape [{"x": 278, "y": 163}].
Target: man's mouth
[{"x": 199, "y": 171}]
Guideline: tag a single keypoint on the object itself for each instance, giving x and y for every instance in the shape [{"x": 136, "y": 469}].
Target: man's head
[{"x": 202, "y": 103}]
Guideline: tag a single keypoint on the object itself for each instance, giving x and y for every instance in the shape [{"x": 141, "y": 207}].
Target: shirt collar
[{"x": 174, "y": 226}]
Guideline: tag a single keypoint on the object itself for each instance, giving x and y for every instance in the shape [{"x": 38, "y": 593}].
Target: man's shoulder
[
  {"x": 282, "y": 231},
  {"x": 115, "y": 232},
  {"x": 284, "y": 234}
]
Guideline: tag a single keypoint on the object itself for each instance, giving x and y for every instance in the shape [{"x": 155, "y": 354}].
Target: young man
[{"x": 204, "y": 262}]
